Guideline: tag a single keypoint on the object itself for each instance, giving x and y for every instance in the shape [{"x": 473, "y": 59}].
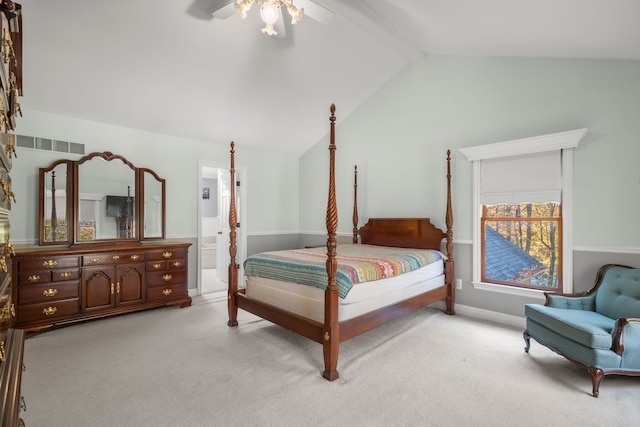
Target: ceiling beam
[{"x": 377, "y": 27}]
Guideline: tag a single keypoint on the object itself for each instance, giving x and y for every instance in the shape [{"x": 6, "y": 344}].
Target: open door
[{"x": 214, "y": 226}]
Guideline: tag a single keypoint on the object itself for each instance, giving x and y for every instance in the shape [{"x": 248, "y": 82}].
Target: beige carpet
[{"x": 185, "y": 367}]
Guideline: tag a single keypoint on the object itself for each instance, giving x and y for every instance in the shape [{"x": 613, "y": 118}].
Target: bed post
[
  {"x": 233, "y": 267},
  {"x": 355, "y": 204},
  {"x": 449, "y": 270},
  {"x": 331, "y": 332}
]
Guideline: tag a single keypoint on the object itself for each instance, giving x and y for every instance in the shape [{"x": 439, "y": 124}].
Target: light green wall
[
  {"x": 399, "y": 138},
  {"x": 271, "y": 178}
]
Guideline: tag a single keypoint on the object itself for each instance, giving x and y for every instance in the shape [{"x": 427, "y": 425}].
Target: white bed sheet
[{"x": 308, "y": 301}]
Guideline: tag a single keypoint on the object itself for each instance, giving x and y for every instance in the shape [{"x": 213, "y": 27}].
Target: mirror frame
[
  {"x": 72, "y": 202},
  {"x": 163, "y": 204},
  {"x": 68, "y": 201}
]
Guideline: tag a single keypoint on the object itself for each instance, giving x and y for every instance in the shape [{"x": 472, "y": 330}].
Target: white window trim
[{"x": 565, "y": 141}]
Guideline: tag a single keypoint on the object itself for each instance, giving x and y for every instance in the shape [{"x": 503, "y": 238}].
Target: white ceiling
[{"x": 165, "y": 66}]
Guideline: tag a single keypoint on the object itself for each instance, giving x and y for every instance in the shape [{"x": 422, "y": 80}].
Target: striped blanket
[{"x": 356, "y": 264}]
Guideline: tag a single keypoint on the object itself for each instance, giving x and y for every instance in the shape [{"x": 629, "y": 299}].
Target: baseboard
[{"x": 492, "y": 316}]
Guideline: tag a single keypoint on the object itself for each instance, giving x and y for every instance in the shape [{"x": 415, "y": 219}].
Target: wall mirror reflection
[
  {"x": 55, "y": 202},
  {"x": 106, "y": 199}
]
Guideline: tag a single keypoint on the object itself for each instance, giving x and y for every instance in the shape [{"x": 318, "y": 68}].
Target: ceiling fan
[{"x": 270, "y": 12}]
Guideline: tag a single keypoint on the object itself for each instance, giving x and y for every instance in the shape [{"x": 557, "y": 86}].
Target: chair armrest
[
  {"x": 626, "y": 337},
  {"x": 571, "y": 301}
]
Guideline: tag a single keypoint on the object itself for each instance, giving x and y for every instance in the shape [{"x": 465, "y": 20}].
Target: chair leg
[
  {"x": 527, "y": 340},
  {"x": 597, "y": 375}
]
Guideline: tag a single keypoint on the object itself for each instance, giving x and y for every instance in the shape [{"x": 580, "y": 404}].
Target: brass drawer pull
[
  {"x": 49, "y": 292},
  {"x": 7, "y": 46},
  {"x": 10, "y": 150},
  {"x": 33, "y": 278},
  {"x": 167, "y": 277},
  {"x": 1, "y": 351},
  {"x": 177, "y": 263},
  {"x": 95, "y": 260},
  {"x": 49, "y": 311},
  {"x": 65, "y": 275},
  {"x": 157, "y": 266},
  {"x": 13, "y": 310},
  {"x": 167, "y": 292},
  {"x": 167, "y": 254},
  {"x": 135, "y": 257},
  {"x": 50, "y": 263},
  {"x": 116, "y": 257}
]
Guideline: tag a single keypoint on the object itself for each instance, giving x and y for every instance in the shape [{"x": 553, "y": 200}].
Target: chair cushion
[
  {"x": 619, "y": 293},
  {"x": 587, "y": 328}
]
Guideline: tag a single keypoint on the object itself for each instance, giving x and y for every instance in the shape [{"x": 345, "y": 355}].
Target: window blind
[{"x": 530, "y": 178}]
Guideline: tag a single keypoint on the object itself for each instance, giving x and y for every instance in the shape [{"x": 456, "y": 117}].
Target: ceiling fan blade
[
  {"x": 315, "y": 11},
  {"x": 224, "y": 9}
]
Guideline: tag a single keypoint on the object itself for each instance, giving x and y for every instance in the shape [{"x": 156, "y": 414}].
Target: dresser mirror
[
  {"x": 100, "y": 198},
  {"x": 153, "y": 205},
  {"x": 56, "y": 204}
]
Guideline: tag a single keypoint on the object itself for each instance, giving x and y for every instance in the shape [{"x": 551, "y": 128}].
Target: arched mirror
[
  {"x": 100, "y": 198},
  {"x": 106, "y": 198},
  {"x": 56, "y": 203},
  {"x": 152, "y": 205}
]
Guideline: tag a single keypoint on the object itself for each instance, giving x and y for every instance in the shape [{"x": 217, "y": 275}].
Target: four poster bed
[{"x": 329, "y": 295}]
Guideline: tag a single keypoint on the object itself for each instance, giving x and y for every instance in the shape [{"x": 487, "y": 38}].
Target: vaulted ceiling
[{"x": 168, "y": 66}]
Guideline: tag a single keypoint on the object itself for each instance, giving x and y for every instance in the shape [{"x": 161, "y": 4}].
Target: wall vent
[{"x": 46, "y": 144}]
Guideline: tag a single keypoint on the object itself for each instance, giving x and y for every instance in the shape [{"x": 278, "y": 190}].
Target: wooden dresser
[
  {"x": 11, "y": 340},
  {"x": 62, "y": 285}
]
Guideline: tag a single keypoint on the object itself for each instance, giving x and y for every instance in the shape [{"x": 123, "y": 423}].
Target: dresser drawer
[
  {"x": 174, "y": 264},
  {"x": 48, "y": 311},
  {"x": 45, "y": 276},
  {"x": 166, "y": 254},
  {"x": 48, "y": 263},
  {"x": 164, "y": 292},
  {"x": 112, "y": 258},
  {"x": 48, "y": 292},
  {"x": 161, "y": 278},
  {"x": 157, "y": 266},
  {"x": 177, "y": 264},
  {"x": 34, "y": 277},
  {"x": 64, "y": 275}
]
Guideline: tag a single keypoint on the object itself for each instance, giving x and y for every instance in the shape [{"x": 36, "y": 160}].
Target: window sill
[{"x": 522, "y": 292}]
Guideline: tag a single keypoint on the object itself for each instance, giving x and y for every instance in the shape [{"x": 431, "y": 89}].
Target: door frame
[{"x": 241, "y": 237}]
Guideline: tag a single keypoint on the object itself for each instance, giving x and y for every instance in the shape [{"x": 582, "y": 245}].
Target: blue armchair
[{"x": 598, "y": 329}]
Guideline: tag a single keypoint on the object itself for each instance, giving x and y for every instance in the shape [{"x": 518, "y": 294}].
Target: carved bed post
[
  {"x": 331, "y": 332},
  {"x": 54, "y": 214},
  {"x": 450, "y": 271},
  {"x": 233, "y": 267},
  {"x": 355, "y": 204}
]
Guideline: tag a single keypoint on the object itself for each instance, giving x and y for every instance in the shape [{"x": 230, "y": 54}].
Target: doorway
[{"x": 213, "y": 225}]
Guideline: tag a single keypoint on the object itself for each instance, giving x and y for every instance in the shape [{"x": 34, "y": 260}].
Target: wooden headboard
[{"x": 417, "y": 233}]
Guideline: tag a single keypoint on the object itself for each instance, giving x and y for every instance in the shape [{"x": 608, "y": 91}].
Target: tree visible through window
[{"x": 522, "y": 245}]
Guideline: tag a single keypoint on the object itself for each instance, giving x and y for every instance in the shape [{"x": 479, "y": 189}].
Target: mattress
[{"x": 308, "y": 301}]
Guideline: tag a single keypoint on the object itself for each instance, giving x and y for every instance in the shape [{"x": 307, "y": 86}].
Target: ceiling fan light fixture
[
  {"x": 295, "y": 13},
  {"x": 242, "y": 7},
  {"x": 269, "y": 12}
]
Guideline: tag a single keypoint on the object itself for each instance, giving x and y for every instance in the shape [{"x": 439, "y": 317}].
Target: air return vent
[{"x": 46, "y": 144}]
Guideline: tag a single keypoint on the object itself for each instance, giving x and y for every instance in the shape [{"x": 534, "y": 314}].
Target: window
[
  {"x": 522, "y": 245},
  {"x": 522, "y": 213}
]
